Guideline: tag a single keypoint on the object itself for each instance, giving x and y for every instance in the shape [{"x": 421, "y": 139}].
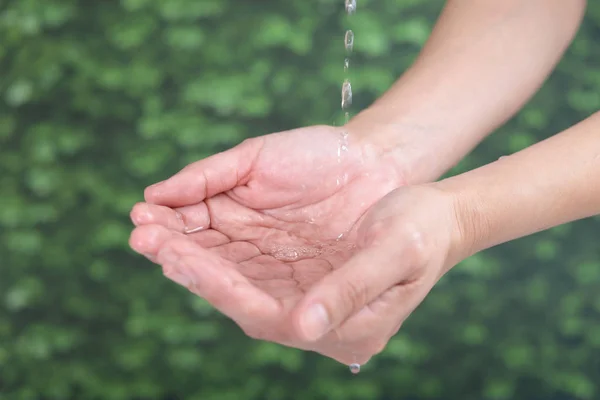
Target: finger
[
  {"x": 370, "y": 329},
  {"x": 383, "y": 315},
  {"x": 147, "y": 239},
  {"x": 188, "y": 219},
  {"x": 217, "y": 280},
  {"x": 366, "y": 333},
  {"x": 209, "y": 238},
  {"x": 205, "y": 178},
  {"x": 361, "y": 280}
]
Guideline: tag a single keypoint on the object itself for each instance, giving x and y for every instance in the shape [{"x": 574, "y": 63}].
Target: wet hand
[
  {"x": 260, "y": 224},
  {"x": 346, "y": 302},
  {"x": 403, "y": 246}
]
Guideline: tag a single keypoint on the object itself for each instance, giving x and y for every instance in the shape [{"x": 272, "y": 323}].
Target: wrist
[
  {"x": 471, "y": 227},
  {"x": 417, "y": 136},
  {"x": 402, "y": 142}
]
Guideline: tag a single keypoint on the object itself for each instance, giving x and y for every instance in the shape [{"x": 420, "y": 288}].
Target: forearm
[
  {"x": 483, "y": 61},
  {"x": 548, "y": 184}
]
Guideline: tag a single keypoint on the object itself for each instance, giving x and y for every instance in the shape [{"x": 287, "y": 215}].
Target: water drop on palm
[{"x": 355, "y": 368}]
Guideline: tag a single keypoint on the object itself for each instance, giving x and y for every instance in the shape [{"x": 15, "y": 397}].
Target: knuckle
[
  {"x": 340, "y": 336},
  {"x": 354, "y": 293},
  {"x": 173, "y": 244},
  {"x": 252, "y": 309},
  {"x": 373, "y": 234},
  {"x": 416, "y": 250}
]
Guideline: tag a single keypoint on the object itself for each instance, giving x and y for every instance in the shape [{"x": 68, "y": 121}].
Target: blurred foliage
[{"x": 100, "y": 98}]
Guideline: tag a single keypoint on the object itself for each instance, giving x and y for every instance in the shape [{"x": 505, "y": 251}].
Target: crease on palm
[{"x": 275, "y": 250}]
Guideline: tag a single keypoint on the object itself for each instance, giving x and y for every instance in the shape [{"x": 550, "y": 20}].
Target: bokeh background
[{"x": 100, "y": 98}]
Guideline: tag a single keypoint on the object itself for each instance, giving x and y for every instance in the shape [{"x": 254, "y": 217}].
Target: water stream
[{"x": 350, "y": 6}]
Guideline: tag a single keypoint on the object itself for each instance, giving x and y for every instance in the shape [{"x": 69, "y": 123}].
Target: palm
[{"x": 289, "y": 219}]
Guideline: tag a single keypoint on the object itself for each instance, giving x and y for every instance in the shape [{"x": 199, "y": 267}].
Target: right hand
[{"x": 404, "y": 245}]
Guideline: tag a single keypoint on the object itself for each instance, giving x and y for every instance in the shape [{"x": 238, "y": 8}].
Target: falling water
[
  {"x": 348, "y": 45},
  {"x": 350, "y": 6}
]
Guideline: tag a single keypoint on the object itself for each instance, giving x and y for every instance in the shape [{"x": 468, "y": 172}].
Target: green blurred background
[{"x": 100, "y": 98}]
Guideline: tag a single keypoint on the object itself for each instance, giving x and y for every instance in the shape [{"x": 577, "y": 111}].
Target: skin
[
  {"x": 271, "y": 231},
  {"x": 417, "y": 233},
  {"x": 297, "y": 236}
]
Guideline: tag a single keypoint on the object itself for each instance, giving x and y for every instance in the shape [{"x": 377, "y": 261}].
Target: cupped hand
[
  {"x": 404, "y": 244},
  {"x": 255, "y": 228}
]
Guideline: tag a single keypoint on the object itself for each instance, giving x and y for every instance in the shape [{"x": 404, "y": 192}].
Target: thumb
[
  {"x": 205, "y": 178},
  {"x": 350, "y": 288}
]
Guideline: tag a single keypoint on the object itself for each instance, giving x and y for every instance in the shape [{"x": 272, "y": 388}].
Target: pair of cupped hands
[{"x": 306, "y": 238}]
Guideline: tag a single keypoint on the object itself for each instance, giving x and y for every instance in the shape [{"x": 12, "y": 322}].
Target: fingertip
[
  {"x": 311, "y": 321},
  {"x": 140, "y": 214},
  {"x": 138, "y": 240},
  {"x": 185, "y": 188},
  {"x": 147, "y": 239},
  {"x": 152, "y": 193}
]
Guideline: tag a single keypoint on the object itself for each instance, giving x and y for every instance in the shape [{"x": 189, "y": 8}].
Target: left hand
[
  {"x": 404, "y": 244},
  {"x": 262, "y": 222}
]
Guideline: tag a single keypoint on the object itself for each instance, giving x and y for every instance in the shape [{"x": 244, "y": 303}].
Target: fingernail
[
  {"x": 188, "y": 231},
  {"x": 315, "y": 322},
  {"x": 178, "y": 277}
]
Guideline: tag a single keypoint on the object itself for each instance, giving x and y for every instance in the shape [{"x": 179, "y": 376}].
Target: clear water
[
  {"x": 350, "y": 6},
  {"x": 346, "y": 94},
  {"x": 349, "y": 41}
]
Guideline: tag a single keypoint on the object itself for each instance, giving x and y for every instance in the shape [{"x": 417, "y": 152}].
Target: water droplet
[
  {"x": 355, "y": 368},
  {"x": 346, "y": 64},
  {"x": 344, "y": 141},
  {"x": 350, "y": 6},
  {"x": 346, "y": 94},
  {"x": 342, "y": 145},
  {"x": 285, "y": 254},
  {"x": 349, "y": 41}
]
